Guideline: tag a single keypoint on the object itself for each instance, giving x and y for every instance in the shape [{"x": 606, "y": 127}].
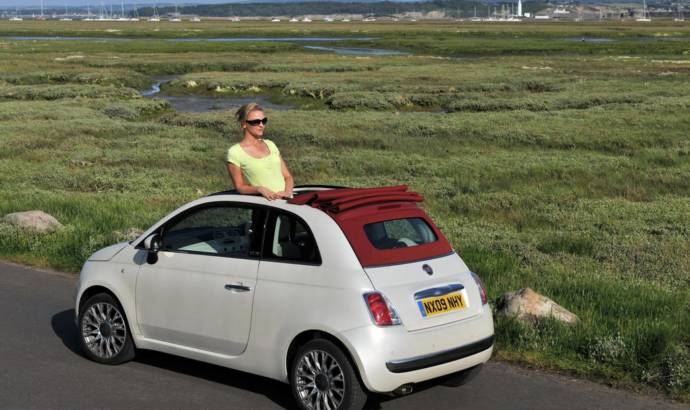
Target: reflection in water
[
  {"x": 356, "y": 51},
  {"x": 156, "y": 87}
]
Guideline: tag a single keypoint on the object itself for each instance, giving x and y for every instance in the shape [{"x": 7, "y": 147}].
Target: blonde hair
[{"x": 242, "y": 112}]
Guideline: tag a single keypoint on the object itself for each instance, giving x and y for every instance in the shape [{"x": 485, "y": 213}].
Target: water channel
[
  {"x": 345, "y": 51},
  {"x": 353, "y": 51},
  {"x": 202, "y": 103},
  {"x": 358, "y": 51}
]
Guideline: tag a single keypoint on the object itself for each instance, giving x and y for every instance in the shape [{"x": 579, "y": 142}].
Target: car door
[
  {"x": 198, "y": 291},
  {"x": 289, "y": 265}
]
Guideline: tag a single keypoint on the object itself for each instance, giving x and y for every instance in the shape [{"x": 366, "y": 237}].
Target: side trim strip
[{"x": 434, "y": 359}]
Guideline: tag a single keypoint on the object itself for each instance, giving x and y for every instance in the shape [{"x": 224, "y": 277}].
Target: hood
[{"x": 107, "y": 253}]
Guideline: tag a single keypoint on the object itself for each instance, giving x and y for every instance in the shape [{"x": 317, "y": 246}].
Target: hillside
[{"x": 452, "y": 8}]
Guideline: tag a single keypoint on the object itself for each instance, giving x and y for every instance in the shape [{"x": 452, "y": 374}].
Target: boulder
[
  {"x": 528, "y": 305},
  {"x": 35, "y": 221},
  {"x": 128, "y": 235}
]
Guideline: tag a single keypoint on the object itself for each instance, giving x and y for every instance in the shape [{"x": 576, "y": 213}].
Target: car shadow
[
  {"x": 64, "y": 327},
  {"x": 274, "y": 390}
]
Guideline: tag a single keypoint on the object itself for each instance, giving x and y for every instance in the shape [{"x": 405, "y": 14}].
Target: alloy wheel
[
  {"x": 320, "y": 381},
  {"x": 103, "y": 330}
]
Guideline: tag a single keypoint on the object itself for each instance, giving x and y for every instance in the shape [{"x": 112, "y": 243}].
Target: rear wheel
[
  {"x": 104, "y": 333},
  {"x": 322, "y": 377}
]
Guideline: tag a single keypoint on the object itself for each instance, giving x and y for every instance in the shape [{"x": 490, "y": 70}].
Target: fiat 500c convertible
[{"x": 338, "y": 292}]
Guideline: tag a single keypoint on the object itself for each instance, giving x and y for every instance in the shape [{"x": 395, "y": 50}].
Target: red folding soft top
[
  {"x": 336, "y": 201},
  {"x": 353, "y": 208}
]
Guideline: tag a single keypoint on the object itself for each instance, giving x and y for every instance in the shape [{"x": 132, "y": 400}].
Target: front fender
[{"x": 118, "y": 279}]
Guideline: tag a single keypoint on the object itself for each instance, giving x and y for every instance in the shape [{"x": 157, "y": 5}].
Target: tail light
[
  {"x": 480, "y": 285},
  {"x": 382, "y": 313}
]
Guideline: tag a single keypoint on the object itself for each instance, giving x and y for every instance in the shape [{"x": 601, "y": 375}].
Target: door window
[
  {"x": 223, "y": 230},
  {"x": 288, "y": 238}
]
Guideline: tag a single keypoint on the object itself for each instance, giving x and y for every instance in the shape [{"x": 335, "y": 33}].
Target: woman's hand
[
  {"x": 268, "y": 194},
  {"x": 285, "y": 194}
]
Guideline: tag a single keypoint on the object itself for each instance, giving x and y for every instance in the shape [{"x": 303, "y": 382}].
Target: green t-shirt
[{"x": 258, "y": 172}]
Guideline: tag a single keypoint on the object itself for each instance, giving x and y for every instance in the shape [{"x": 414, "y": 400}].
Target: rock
[
  {"x": 128, "y": 235},
  {"x": 528, "y": 305},
  {"x": 35, "y": 221},
  {"x": 191, "y": 84}
]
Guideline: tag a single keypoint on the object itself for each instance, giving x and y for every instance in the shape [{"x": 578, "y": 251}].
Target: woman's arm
[
  {"x": 289, "y": 182},
  {"x": 244, "y": 188}
]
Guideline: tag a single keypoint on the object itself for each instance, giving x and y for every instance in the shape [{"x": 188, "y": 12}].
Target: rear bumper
[
  {"x": 435, "y": 359},
  {"x": 388, "y": 358}
]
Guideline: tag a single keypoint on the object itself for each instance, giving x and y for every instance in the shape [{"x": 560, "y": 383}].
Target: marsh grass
[{"x": 562, "y": 166}]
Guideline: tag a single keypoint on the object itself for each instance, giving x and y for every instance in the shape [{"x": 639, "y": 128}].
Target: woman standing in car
[{"x": 255, "y": 164}]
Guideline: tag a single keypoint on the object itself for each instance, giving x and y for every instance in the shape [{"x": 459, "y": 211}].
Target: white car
[{"x": 338, "y": 292}]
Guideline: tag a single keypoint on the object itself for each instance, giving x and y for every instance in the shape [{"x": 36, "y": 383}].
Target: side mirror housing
[{"x": 153, "y": 243}]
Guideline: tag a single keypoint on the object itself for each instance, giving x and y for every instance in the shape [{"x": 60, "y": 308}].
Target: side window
[
  {"x": 223, "y": 230},
  {"x": 289, "y": 239}
]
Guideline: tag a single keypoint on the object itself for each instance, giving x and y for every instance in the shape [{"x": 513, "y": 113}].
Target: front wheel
[
  {"x": 321, "y": 377},
  {"x": 104, "y": 334}
]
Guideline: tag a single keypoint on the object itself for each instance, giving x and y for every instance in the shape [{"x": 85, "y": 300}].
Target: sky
[
  {"x": 83, "y": 3},
  {"x": 11, "y": 4}
]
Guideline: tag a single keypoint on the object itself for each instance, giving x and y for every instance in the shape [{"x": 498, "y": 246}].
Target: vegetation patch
[{"x": 55, "y": 92}]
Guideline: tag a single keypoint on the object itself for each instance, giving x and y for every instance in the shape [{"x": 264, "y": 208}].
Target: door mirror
[{"x": 153, "y": 243}]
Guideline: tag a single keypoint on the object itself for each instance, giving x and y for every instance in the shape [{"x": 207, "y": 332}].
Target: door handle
[{"x": 237, "y": 287}]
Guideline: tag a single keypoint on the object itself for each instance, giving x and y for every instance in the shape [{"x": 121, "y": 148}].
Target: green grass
[{"x": 553, "y": 164}]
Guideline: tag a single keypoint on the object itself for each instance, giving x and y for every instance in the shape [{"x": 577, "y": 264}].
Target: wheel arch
[
  {"x": 312, "y": 334},
  {"x": 94, "y": 290},
  {"x": 98, "y": 289}
]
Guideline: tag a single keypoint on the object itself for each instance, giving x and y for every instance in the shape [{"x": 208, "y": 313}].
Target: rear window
[
  {"x": 384, "y": 235},
  {"x": 399, "y": 233}
]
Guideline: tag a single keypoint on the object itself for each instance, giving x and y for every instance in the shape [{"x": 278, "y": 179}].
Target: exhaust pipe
[{"x": 403, "y": 390}]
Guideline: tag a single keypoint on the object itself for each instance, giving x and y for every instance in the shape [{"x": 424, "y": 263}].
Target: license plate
[{"x": 433, "y": 306}]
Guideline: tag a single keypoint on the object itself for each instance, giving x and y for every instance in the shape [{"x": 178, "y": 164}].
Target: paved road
[{"x": 41, "y": 366}]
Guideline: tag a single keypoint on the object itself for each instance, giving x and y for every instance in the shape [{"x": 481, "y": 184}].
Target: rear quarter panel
[{"x": 293, "y": 298}]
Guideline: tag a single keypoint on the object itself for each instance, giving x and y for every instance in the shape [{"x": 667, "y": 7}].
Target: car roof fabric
[
  {"x": 337, "y": 201},
  {"x": 354, "y": 208}
]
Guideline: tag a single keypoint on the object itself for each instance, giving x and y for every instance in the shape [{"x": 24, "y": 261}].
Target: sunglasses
[{"x": 258, "y": 121}]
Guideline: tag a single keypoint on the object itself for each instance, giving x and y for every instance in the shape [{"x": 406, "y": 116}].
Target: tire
[
  {"x": 339, "y": 386},
  {"x": 103, "y": 330}
]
